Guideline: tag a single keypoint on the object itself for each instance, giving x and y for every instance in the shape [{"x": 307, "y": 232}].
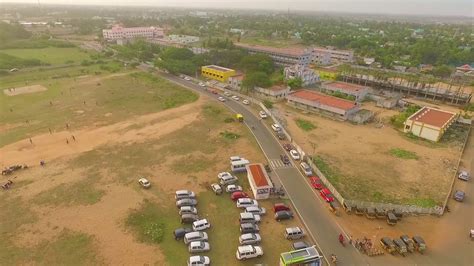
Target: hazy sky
[{"x": 420, "y": 7}]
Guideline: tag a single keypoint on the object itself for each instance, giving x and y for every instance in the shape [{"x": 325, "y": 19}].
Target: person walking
[
  {"x": 73, "y": 138},
  {"x": 50, "y": 132},
  {"x": 67, "y": 141},
  {"x": 31, "y": 141}
]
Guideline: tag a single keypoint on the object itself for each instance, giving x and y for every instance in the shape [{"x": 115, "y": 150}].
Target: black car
[
  {"x": 284, "y": 158},
  {"x": 300, "y": 245},
  {"x": 288, "y": 147},
  {"x": 283, "y": 215},
  {"x": 180, "y": 232}
]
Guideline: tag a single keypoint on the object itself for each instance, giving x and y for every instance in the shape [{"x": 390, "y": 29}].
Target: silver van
[
  {"x": 189, "y": 218},
  {"x": 247, "y": 217},
  {"x": 306, "y": 169},
  {"x": 195, "y": 236},
  {"x": 293, "y": 233}
]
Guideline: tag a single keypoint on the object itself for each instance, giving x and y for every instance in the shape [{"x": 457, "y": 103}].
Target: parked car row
[
  {"x": 459, "y": 195},
  {"x": 195, "y": 237}
]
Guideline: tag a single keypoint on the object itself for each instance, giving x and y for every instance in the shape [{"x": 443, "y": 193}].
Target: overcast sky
[{"x": 419, "y": 7}]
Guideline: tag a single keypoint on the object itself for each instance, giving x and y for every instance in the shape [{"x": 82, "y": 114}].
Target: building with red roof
[
  {"x": 429, "y": 123},
  {"x": 313, "y": 101},
  {"x": 259, "y": 180},
  {"x": 358, "y": 91}
]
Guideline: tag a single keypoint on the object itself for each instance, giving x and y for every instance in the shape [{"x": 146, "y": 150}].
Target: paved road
[
  {"x": 308, "y": 205},
  {"x": 323, "y": 227}
]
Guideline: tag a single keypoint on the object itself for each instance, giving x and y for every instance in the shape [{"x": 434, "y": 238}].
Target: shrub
[{"x": 268, "y": 104}]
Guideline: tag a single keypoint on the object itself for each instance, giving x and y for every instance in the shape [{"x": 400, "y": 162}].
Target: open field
[
  {"x": 87, "y": 200},
  {"x": 24, "y": 90},
  {"x": 50, "y": 55},
  {"x": 370, "y": 163}
]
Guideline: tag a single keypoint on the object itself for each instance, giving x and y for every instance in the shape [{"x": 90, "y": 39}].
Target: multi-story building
[
  {"x": 326, "y": 56},
  {"x": 321, "y": 103},
  {"x": 218, "y": 73},
  {"x": 235, "y": 82},
  {"x": 182, "y": 39},
  {"x": 275, "y": 92},
  {"x": 357, "y": 91},
  {"x": 118, "y": 32},
  {"x": 306, "y": 74},
  {"x": 280, "y": 56},
  {"x": 429, "y": 123}
]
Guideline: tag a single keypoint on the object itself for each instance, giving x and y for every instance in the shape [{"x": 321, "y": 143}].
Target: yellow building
[{"x": 216, "y": 72}]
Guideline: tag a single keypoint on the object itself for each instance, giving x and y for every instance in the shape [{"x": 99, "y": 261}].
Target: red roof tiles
[
  {"x": 434, "y": 117},
  {"x": 324, "y": 99},
  {"x": 258, "y": 175}
]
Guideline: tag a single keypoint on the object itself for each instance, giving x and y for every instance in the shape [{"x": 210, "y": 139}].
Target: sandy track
[{"x": 52, "y": 146}]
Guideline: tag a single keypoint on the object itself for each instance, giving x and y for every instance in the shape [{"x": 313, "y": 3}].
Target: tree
[
  {"x": 442, "y": 71},
  {"x": 257, "y": 78},
  {"x": 295, "y": 83},
  {"x": 257, "y": 62},
  {"x": 176, "y": 54}
]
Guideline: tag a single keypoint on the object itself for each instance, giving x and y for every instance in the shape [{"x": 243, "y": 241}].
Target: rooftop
[
  {"x": 294, "y": 51},
  {"x": 433, "y": 117},
  {"x": 277, "y": 88},
  {"x": 219, "y": 68},
  {"x": 323, "y": 99},
  {"x": 259, "y": 176},
  {"x": 345, "y": 86}
]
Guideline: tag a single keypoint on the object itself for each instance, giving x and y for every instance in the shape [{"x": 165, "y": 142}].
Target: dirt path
[{"x": 52, "y": 146}]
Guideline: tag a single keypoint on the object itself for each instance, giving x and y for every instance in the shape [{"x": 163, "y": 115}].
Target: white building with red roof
[
  {"x": 313, "y": 101},
  {"x": 259, "y": 181},
  {"x": 358, "y": 91},
  {"x": 429, "y": 123}
]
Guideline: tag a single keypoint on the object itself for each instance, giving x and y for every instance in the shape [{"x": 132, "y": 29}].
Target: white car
[
  {"x": 235, "y": 98},
  {"x": 202, "y": 84},
  {"x": 464, "y": 175},
  {"x": 295, "y": 155},
  {"x": 276, "y": 127},
  {"x": 201, "y": 225},
  {"x": 227, "y": 94},
  {"x": 222, "y": 99},
  {"x": 187, "y": 78},
  {"x": 199, "y": 261},
  {"x": 262, "y": 114},
  {"x": 246, "y": 102},
  {"x": 144, "y": 182},
  {"x": 248, "y": 252},
  {"x": 233, "y": 188},
  {"x": 198, "y": 246},
  {"x": 246, "y": 202}
]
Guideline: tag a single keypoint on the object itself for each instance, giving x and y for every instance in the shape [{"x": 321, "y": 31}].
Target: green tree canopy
[
  {"x": 177, "y": 54},
  {"x": 257, "y": 62},
  {"x": 295, "y": 83},
  {"x": 257, "y": 78}
]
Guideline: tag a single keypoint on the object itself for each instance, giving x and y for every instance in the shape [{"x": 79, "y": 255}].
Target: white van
[
  {"x": 306, "y": 169},
  {"x": 294, "y": 233},
  {"x": 201, "y": 225},
  {"x": 248, "y": 252},
  {"x": 195, "y": 236},
  {"x": 239, "y": 165}
]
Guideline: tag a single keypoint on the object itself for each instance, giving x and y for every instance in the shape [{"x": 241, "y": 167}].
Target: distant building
[
  {"x": 219, "y": 73},
  {"x": 369, "y": 60},
  {"x": 429, "y": 123},
  {"x": 321, "y": 103},
  {"x": 359, "y": 92},
  {"x": 306, "y": 74},
  {"x": 182, "y": 39},
  {"x": 235, "y": 82},
  {"x": 280, "y": 56},
  {"x": 275, "y": 92},
  {"x": 259, "y": 181},
  {"x": 118, "y": 32},
  {"x": 327, "y": 56}
]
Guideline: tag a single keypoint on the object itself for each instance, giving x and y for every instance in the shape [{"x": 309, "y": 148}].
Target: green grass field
[
  {"x": 56, "y": 106},
  {"x": 305, "y": 124},
  {"x": 403, "y": 154},
  {"x": 51, "y": 55}
]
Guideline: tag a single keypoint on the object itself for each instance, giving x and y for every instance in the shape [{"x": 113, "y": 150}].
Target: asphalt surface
[{"x": 321, "y": 224}]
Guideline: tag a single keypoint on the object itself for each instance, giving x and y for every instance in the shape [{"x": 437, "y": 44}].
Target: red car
[
  {"x": 238, "y": 195},
  {"x": 326, "y": 195},
  {"x": 316, "y": 182},
  {"x": 280, "y": 207}
]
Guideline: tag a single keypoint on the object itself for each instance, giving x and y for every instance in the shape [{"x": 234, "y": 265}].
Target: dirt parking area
[
  {"x": 24, "y": 90},
  {"x": 365, "y": 160}
]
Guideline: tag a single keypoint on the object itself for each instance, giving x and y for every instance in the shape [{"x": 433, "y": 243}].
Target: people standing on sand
[
  {"x": 31, "y": 141},
  {"x": 50, "y": 132},
  {"x": 67, "y": 141},
  {"x": 51, "y": 103},
  {"x": 67, "y": 125},
  {"x": 73, "y": 138}
]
